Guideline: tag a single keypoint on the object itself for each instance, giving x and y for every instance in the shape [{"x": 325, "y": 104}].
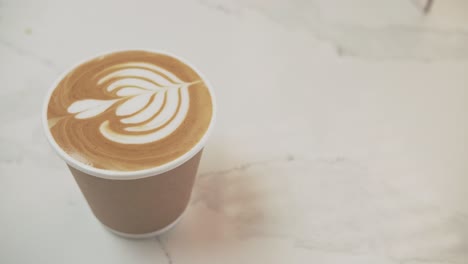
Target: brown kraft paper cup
[
  {"x": 140, "y": 206},
  {"x": 137, "y": 204}
]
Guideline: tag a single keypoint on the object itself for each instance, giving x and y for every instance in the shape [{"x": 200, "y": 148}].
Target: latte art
[
  {"x": 129, "y": 110},
  {"x": 155, "y": 103}
]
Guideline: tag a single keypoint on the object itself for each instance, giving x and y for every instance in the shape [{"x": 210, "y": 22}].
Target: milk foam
[{"x": 153, "y": 102}]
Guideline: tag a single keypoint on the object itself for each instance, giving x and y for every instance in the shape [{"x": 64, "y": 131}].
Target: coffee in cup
[{"x": 131, "y": 126}]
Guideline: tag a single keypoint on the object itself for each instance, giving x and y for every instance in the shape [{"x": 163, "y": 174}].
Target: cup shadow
[{"x": 226, "y": 206}]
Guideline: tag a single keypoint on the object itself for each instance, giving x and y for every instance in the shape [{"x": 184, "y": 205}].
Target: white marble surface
[{"x": 342, "y": 133}]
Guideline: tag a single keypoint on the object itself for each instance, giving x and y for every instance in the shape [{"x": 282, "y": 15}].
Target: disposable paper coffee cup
[{"x": 142, "y": 203}]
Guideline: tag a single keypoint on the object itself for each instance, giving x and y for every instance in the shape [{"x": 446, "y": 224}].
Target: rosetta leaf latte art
[
  {"x": 129, "y": 110},
  {"x": 151, "y": 103}
]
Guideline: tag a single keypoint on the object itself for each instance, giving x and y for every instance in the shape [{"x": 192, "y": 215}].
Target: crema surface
[{"x": 129, "y": 110}]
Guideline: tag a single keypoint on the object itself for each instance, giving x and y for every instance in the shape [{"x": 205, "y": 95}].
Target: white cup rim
[{"x": 128, "y": 175}]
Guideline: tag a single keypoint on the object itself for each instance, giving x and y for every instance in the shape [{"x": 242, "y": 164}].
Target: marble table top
[{"x": 342, "y": 134}]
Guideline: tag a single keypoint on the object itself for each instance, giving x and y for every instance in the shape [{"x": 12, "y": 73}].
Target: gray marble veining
[{"x": 341, "y": 137}]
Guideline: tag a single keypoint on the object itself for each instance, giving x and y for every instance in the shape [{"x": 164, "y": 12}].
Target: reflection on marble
[{"x": 341, "y": 138}]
